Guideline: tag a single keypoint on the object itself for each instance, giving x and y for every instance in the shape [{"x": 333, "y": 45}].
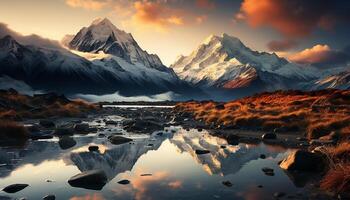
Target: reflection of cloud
[
  {"x": 87, "y": 4},
  {"x": 175, "y": 184},
  {"x": 252, "y": 193},
  {"x": 95, "y": 196},
  {"x": 206, "y": 4},
  {"x": 294, "y": 18},
  {"x": 201, "y": 19}
]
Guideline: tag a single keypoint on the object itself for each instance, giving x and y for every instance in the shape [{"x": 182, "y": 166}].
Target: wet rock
[
  {"x": 64, "y": 131},
  {"x": 223, "y": 147},
  {"x": 93, "y": 148},
  {"x": 146, "y": 175},
  {"x": 116, "y": 139},
  {"x": 93, "y": 179},
  {"x": 269, "y": 136},
  {"x": 111, "y": 122},
  {"x": 201, "y": 151},
  {"x": 124, "y": 182},
  {"x": 262, "y": 156},
  {"x": 49, "y": 197},
  {"x": 279, "y": 194},
  {"x": 41, "y": 135},
  {"x": 142, "y": 126},
  {"x": 232, "y": 139},
  {"x": 227, "y": 183},
  {"x": 82, "y": 128},
  {"x": 66, "y": 142},
  {"x": 268, "y": 171},
  {"x": 14, "y": 188},
  {"x": 101, "y": 135},
  {"x": 302, "y": 160},
  {"x": 301, "y": 139},
  {"x": 47, "y": 123},
  {"x": 199, "y": 129}
]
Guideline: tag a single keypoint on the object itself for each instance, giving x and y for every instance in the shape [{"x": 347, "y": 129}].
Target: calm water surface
[{"x": 177, "y": 172}]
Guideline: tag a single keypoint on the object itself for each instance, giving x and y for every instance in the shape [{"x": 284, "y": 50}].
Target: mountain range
[{"x": 102, "y": 59}]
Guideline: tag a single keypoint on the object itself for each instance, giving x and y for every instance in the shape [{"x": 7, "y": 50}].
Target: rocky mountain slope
[
  {"x": 102, "y": 60},
  {"x": 225, "y": 63}
]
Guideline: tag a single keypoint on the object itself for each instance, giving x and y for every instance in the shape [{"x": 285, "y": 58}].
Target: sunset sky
[{"x": 312, "y": 31}]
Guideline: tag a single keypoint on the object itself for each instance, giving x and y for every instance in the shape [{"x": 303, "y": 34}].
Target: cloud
[
  {"x": 157, "y": 14},
  {"x": 295, "y": 18},
  {"x": 201, "y": 19},
  {"x": 28, "y": 39},
  {"x": 88, "y": 4},
  {"x": 205, "y": 4},
  {"x": 281, "y": 45},
  {"x": 321, "y": 56}
]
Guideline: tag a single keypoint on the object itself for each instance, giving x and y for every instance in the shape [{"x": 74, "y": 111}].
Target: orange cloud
[
  {"x": 281, "y": 45},
  {"x": 95, "y": 196},
  {"x": 175, "y": 184},
  {"x": 201, "y": 19},
  {"x": 156, "y": 14},
  {"x": 316, "y": 54},
  {"x": 87, "y": 4},
  {"x": 206, "y": 4},
  {"x": 293, "y": 18}
]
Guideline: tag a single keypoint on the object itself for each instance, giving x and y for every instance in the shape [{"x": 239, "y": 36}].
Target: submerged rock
[
  {"x": 227, "y": 183},
  {"x": 201, "y": 151},
  {"x": 66, "y": 142},
  {"x": 124, "y": 182},
  {"x": 269, "y": 136},
  {"x": 49, "y": 197},
  {"x": 93, "y": 148},
  {"x": 14, "y": 188},
  {"x": 82, "y": 128},
  {"x": 116, "y": 139},
  {"x": 41, "y": 135},
  {"x": 93, "y": 179},
  {"x": 303, "y": 161},
  {"x": 46, "y": 123}
]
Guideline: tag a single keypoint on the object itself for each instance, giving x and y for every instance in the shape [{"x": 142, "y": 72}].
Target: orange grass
[{"x": 317, "y": 113}]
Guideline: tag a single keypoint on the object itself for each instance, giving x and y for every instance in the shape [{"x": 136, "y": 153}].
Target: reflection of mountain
[
  {"x": 35, "y": 153},
  {"x": 113, "y": 161},
  {"x": 220, "y": 161}
]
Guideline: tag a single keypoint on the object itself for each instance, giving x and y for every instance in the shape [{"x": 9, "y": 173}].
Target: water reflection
[{"x": 174, "y": 170}]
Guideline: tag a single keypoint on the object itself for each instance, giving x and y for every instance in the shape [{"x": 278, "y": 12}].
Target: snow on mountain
[
  {"x": 225, "y": 62},
  {"x": 103, "y": 36},
  {"x": 338, "y": 81}
]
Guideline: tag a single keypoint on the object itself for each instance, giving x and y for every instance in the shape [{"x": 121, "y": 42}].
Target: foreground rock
[
  {"x": 302, "y": 160},
  {"x": 15, "y": 188},
  {"x": 116, "y": 139},
  {"x": 66, "y": 142},
  {"x": 93, "y": 179}
]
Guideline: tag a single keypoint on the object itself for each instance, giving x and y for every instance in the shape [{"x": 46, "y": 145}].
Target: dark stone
[
  {"x": 279, "y": 194},
  {"x": 101, "y": 135},
  {"x": 146, "y": 175},
  {"x": 64, "y": 131},
  {"x": 82, "y": 128},
  {"x": 268, "y": 171},
  {"x": 41, "y": 135},
  {"x": 200, "y": 151},
  {"x": 220, "y": 106},
  {"x": 111, "y": 122},
  {"x": 262, "y": 156},
  {"x": 14, "y": 188},
  {"x": 232, "y": 139},
  {"x": 93, "y": 148},
  {"x": 302, "y": 160},
  {"x": 227, "y": 183},
  {"x": 47, "y": 123},
  {"x": 269, "y": 136},
  {"x": 94, "y": 179},
  {"x": 223, "y": 147},
  {"x": 49, "y": 197},
  {"x": 118, "y": 139},
  {"x": 124, "y": 182},
  {"x": 66, "y": 142}
]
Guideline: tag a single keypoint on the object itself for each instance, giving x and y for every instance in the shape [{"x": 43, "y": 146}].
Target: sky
[{"x": 303, "y": 31}]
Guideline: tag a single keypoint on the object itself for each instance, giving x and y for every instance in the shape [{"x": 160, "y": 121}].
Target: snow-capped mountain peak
[{"x": 103, "y": 35}]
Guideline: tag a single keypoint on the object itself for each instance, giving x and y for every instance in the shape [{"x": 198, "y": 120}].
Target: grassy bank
[
  {"x": 15, "y": 106},
  {"x": 317, "y": 114}
]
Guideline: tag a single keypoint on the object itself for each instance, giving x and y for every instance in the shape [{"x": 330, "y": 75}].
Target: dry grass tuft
[
  {"x": 317, "y": 113},
  {"x": 337, "y": 179},
  {"x": 12, "y": 130}
]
